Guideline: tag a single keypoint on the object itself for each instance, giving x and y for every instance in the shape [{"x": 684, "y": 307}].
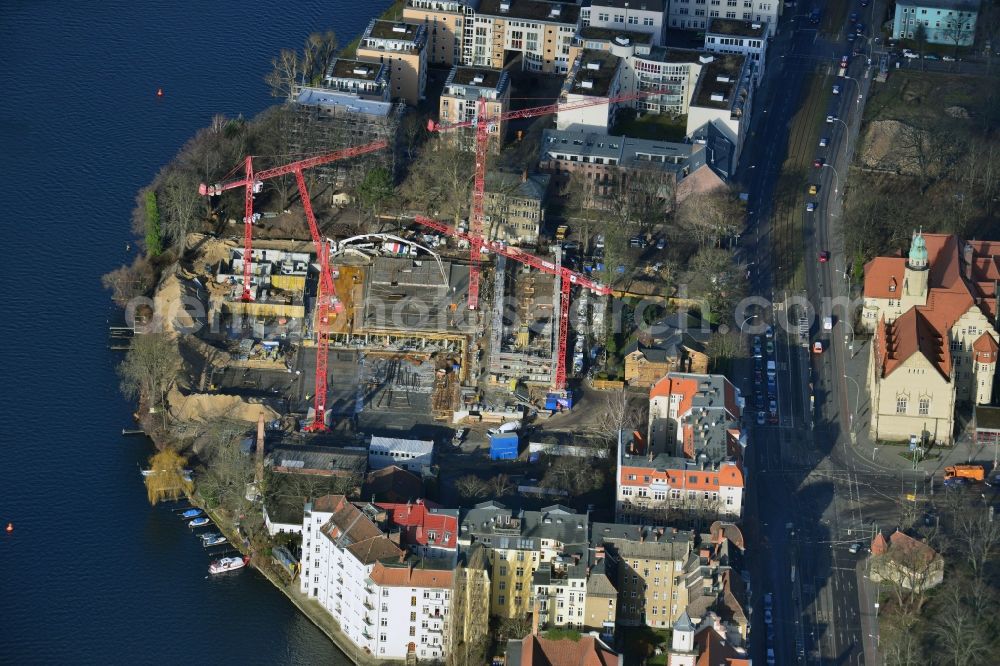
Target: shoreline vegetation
[{"x": 168, "y": 214}]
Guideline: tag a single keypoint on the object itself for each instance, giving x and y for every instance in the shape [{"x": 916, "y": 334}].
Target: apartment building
[
  {"x": 465, "y": 90},
  {"x": 594, "y": 78},
  {"x": 933, "y": 315},
  {"x": 559, "y": 590},
  {"x": 723, "y": 97},
  {"x": 540, "y": 32},
  {"x": 447, "y": 23},
  {"x": 951, "y": 22},
  {"x": 691, "y": 461},
  {"x": 401, "y": 47},
  {"x": 696, "y": 14},
  {"x": 745, "y": 38},
  {"x": 386, "y": 603},
  {"x": 600, "y": 609},
  {"x": 715, "y": 584},
  {"x": 638, "y": 16},
  {"x": 650, "y": 569},
  {"x": 425, "y": 529},
  {"x": 518, "y": 544},
  {"x": 362, "y": 80},
  {"x": 514, "y": 206},
  {"x": 646, "y": 67}
]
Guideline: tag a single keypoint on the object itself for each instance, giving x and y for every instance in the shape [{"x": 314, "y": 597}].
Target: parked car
[
  {"x": 770, "y": 347},
  {"x": 810, "y": 206},
  {"x": 851, "y": 36},
  {"x": 853, "y": 17},
  {"x": 948, "y": 58},
  {"x": 661, "y": 243},
  {"x": 768, "y": 600},
  {"x": 761, "y": 418},
  {"x": 836, "y": 90},
  {"x": 770, "y": 657},
  {"x": 910, "y": 55},
  {"x": 813, "y": 189},
  {"x": 818, "y": 347},
  {"x": 768, "y": 618},
  {"x": 859, "y": 28},
  {"x": 956, "y": 482},
  {"x": 931, "y": 56},
  {"x": 460, "y": 436},
  {"x": 769, "y": 332},
  {"x": 757, "y": 345}
]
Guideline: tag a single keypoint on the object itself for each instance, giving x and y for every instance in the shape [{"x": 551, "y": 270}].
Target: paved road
[{"x": 809, "y": 492}]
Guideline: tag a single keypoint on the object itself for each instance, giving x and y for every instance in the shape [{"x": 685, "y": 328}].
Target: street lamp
[
  {"x": 848, "y": 327},
  {"x": 857, "y": 399},
  {"x": 836, "y": 176},
  {"x": 744, "y": 323}
]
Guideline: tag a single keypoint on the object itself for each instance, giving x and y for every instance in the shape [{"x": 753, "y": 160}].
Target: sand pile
[{"x": 206, "y": 407}]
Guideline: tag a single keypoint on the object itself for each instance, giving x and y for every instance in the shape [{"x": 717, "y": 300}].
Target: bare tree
[
  {"x": 616, "y": 416},
  {"x": 500, "y": 485},
  {"x": 471, "y": 486},
  {"x": 980, "y": 538},
  {"x": 319, "y": 54},
  {"x": 128, "y": 282},
  {"x": 959, "y": 632},
  {"x": 711, "y": 216},
  {"x": 440, "y": 181},
  {"x": 182, "y": 205},
  {"x": 284, "y": 73},
  {"x": 150, "y": 367},
  {"x": 573, "y": 475}
]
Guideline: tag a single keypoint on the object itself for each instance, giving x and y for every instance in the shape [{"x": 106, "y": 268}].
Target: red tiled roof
[
  {"x": 410, "y": 576},
  {"x": 909, "y": 334},
  {"x": 587, "y": 651},
  {"x": 986, "y": 348},
  {"x": 904, "y": 544},
  {"x": 418, "y": 522},
  {"x": 884, "y": 277},
  {"x": 728, "y": 475},
  {"x": 714, "y": 650}
]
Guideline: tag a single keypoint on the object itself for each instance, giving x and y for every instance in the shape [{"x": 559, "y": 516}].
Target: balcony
[
  {"x": 368, "y": 620},
  {"x": 369, "y": 605}
]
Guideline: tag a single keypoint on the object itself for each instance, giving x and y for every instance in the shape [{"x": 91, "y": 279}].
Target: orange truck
[{"x": 971, "y": 472}]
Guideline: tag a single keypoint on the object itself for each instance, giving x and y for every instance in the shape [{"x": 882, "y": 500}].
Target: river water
[{"x": 91, "y": 573}]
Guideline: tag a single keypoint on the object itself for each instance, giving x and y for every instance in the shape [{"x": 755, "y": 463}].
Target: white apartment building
[
  {"x": 413, "y": 455},
  {"x": 541, "y": 32},
  {"x": 560, "y": 592},
  {"x": 723, "y": 98},
  {"x": 381, "y": 603},
  {"x": 745, "y": 38},
  {"x": 950, "y": 22},
  {"x": 595, "y": 76},
  {"x": 696, "y": 14},
  {"x": 409, "y": 610},
  {"x": 639, "y": 16}
]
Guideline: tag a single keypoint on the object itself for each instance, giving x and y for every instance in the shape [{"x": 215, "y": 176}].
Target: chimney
[
  {"x": 524, "y": 176},
  {"x": 536, "y": 609},
  {"x": 260, "y": 450},
  {"x": 968, "y": 256}
]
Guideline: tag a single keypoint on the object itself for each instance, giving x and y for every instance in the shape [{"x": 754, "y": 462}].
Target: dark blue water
[{"x": 91, "y": 572}]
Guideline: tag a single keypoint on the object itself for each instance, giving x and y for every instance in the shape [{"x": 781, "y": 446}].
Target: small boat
[
  {"x": 191, "y": 513},
  {"x": 215, "y": 540},
  {"x": 199, "y": 522},
  {"x": 205, "y": 536},
  {"x": 227, "y": 564}
]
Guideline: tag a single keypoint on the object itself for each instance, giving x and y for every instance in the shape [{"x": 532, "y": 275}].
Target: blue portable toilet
[{"x": 504, "y": 446}]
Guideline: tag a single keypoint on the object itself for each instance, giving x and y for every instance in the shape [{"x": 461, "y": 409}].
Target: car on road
[
  {"x": 931, "y": 56},
  {"x": 827, "y": 323},
  {"x": 851, "y": 36},
  {"x": 769, "y": 332},
  {"x": 854, "y": 549},
  {"x": 948, "y": 58},
  {"x": 824, "y": 256},
  {"x": 956, "y": 482},
  {"x": 859, "y": 28},
  {"x": 768, "y": 618},
  {"x": 836, "y": 90},
  {"x": 818, "y": 347},
  {"x": 824, "y": 142},
  {"x": 770, "y": 347},
  {"x": 993, "y": 478},
  {"x": 830, "y": 118},
  {"x": 845, "y": 60},
  {"x": 810, "y": 206},
  {"x": 761, "y": 418},
  {"x": 819, "y": 162},
  {"x": 757, "y": 344},
  {"x": 772, "y": 406},
  {"x": 770, "y": 657},
  {"x": 813, "y": 189}
]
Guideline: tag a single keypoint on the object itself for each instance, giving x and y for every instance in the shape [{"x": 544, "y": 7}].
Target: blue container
[{"x": 504, "y": 446}]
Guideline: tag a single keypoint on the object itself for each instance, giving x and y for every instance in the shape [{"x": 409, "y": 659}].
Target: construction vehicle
[{"x": 971, "y": 472}]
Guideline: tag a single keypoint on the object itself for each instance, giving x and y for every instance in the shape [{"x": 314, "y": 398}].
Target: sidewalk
[{"x": 887, "y": 457}]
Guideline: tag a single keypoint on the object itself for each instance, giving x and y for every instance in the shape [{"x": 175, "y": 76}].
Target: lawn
[
  {"x": 659, "y": 127},
  {"x": 914, "y": 95}
]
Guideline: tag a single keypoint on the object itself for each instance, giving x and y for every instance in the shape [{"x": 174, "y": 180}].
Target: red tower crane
[
  {"x": 253, "y": 182},
  {"x": 326, "y": 296},
  {"x": 568, "y": 279},
  {"x": 482, "y": 124}
]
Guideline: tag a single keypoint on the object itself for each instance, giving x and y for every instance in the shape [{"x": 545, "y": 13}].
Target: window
[
  {"x": 633, "y": 20},
  {"x": 647, "y": 21},
  {"x": 924, "y": 406},
  {"x": 619, "y": 18},
  {"x": 382, "y": 639},
  {"x": 413, "y": 631},
  {"x": 413, "y": 601},
  {"x": 603, "y": 16},
  {"x": 413, "y": 617},
  {"x": 901, "y": 405},
  {"x": 501, "y": 599},
  {"x": 384, "y": 622}
]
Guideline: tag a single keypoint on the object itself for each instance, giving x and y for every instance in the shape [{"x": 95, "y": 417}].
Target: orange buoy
[
  {"x": 10, "y": 527},
  {"x": 159, "y": 92}
]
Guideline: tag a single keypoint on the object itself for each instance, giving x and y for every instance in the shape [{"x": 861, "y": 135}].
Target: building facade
[
  {"x": 401, "y": 47},
  {"x": 514, "y": 206},
  {"x": 413, "y": 455},
  {"x": 639, "y": 16},
  {"x": 744, "y": 38},
  {"x": 951, "y": 22},
  {"x": 540, "y": 32},
  {"x": 593, "y": 79},
  {"x": 447, "y": 22},
  {"x": 465, "y": 91},
  {"x": 696, "y": 14}
]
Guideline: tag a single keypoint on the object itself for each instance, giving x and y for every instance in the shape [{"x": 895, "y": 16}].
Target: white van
[{"x": 827, "y": 323}]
